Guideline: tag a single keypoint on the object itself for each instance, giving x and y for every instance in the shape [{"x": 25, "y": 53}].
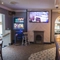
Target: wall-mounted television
[
  {"x": 41, "y": 17},
  {"x": 18, "y": 23}
]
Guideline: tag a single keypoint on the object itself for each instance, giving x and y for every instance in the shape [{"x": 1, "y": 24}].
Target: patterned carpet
[
  {"x": 20, "y": 52},
  {"x": 48, "y": 54}
]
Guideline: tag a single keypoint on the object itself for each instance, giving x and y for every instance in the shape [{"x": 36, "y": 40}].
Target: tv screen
[
  {"x": 18, "y": 23},
  {"x": 18, "y": 26},
  {"x": 18, "y": 20},
  {"x": 41, "y": 17}
]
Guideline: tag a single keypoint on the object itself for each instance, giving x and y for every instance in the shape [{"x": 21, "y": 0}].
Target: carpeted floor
[
  {"x": 48, "y": 54},
  {"x": 19, "y": 52}
]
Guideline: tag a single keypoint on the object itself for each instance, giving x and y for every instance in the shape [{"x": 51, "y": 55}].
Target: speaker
[{"x": 11, "y": 12}]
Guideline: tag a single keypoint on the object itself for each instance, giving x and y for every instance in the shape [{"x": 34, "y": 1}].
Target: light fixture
[
  {"x": 13, "y": 2},
  {"x": 56, "y": 3},
  {"x": 56, "y": 6},
  {"x": 1, "y": 2}
]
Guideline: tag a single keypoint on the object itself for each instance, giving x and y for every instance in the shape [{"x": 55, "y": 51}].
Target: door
[{"x": 2, "y": 25}]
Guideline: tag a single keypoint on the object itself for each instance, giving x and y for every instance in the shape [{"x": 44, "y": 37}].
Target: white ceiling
[{"x": 30, "y": 4}]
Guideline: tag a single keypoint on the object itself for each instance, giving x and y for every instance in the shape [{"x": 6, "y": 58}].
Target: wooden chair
[
  {"x": 57, "y": 43},
  {"x": 1, "y": 42}
]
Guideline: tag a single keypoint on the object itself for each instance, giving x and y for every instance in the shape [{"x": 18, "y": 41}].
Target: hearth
[{"x": 38, "y": 36}]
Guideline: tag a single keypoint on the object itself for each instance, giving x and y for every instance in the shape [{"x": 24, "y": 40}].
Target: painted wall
[
  {"x": 8, "y": 18},
  {"x": 32, "y": 26},
  {"x": 39, "y": 27},
  {"x": 54, "y": 16}
]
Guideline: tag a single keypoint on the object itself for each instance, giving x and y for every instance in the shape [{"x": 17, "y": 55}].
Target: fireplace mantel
[{"x": 38, "y": 33}]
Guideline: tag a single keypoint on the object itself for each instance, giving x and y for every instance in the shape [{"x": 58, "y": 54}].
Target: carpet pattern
[
  {"x": 48, "y": 54},
  {"x": 20, "y": 52}
]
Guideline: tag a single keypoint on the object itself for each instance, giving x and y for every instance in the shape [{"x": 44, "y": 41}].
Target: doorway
[
  {"x": 2, "y": 24},
  {"x": 57, "y": 25}
]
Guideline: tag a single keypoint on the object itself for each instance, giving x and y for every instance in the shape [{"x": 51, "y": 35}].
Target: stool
[{"x": 25, "y": 39}]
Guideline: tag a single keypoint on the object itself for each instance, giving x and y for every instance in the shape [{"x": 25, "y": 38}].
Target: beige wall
[
  {"x": 54, "y": 16},
  {"x": 39, "y": 27}
]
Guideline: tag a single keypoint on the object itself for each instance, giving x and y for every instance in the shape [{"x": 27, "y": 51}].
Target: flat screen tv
[
  {"x": 41, "y": 17},
  {"x": 18, "y": 23}
]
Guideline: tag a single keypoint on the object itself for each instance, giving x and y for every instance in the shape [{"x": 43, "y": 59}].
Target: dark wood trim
[
  {"x": 47, "y": 42},
  {"x": 51, "y": 28},
  {"x": 32, "y": 42},
  {"x": 52, "y": 42},
  {"x": 26, "y": 19},
  {"x": 42, "y": 43}
]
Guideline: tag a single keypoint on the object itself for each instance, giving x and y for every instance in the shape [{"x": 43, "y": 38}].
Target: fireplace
[{"x": 38, "y": 36}]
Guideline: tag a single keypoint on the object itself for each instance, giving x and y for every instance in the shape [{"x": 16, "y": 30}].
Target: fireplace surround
[{"x": 38, "y": 36}]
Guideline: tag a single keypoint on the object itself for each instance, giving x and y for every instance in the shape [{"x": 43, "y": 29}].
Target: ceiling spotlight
[
  {"x": 13, "y": 2},
  {"x": 56, "y": 6},
  {"x": 56, "y": 3},
  {"x": 2, "y": 3}
]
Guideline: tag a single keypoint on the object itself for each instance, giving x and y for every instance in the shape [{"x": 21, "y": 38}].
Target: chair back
[
  {"x": 57, "y": 43},
  {"x": 1, "y": 42}
]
